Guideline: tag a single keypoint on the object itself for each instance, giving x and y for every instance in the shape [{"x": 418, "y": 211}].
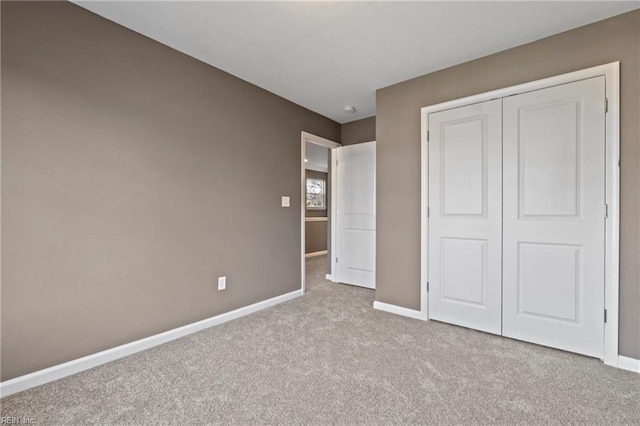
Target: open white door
[
  {"x": 356, "y": 214},
  {"x": 465, "y": 203},
  {"x": 554, "y": 216}
]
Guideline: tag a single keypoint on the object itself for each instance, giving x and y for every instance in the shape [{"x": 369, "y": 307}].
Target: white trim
[
  {"x": 319, "y": 140},
  {"x": 329, "y": 277},
  {"x": 399, "y": 310},
  {"x": 612, "y": 241},
  {"x": 304, "y": 138},
  {"x": 611, "y": 72},
  {"x": 629, "y": 364},
  {"x": 59, "y": 371},
  {"x": 315, "y": 168},
  {"x": 333, "y": 224},
  {"x": 316, "y": 219},
  {"x": 315, "y": 254},
  {"x": 424, "y": 218}
]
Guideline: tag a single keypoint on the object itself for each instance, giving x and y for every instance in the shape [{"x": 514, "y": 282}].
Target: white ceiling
[{"x": 325, "y": 55}]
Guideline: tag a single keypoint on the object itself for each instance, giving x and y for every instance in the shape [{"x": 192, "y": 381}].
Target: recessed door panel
[
  {"x": 361, "y": 184},
  {"x": 553, "y": 216},
  {"x": 463, "y": 174},
  {"x": 359, "y": 246},
  {"x": 463, "y": 270},
  {"x": 549, "y": 156},
  {"x": 552, "y": 292},
  {"x": 465, "y": 247}
]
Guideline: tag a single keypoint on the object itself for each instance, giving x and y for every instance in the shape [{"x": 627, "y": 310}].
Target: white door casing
[
  {"x": 465, "y": 208},
  {"x": 554, "y": 216},
  {"x": 356, "y": 214},
  {"x": 331, "y": 145}
]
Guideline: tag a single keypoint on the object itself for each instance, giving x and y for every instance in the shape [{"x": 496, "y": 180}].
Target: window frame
[{"x": 323, "y": 193}]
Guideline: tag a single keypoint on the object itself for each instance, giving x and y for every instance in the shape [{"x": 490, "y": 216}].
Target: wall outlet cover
[
  {"x": 286, "y": 201},
  {"x": 222, "y": 283}
]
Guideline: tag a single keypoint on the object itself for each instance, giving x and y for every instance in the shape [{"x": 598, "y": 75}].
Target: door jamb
[
  {"x": 304, "y": 138},
  {"x": 611, "y": 72}
]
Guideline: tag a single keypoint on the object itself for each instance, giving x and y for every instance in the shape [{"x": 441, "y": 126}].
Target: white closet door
[
  {"x": 554, "y": 226},
  {"x": 465, "y": 203},
  {"x": 356, "y": 217}
]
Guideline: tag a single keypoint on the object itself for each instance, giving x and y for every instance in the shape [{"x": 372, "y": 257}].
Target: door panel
[
  {"x": 554, "y": 181},
  {"x": 356, "y": 217},
  {"x": 463, "y": 272},
  {"x": 465, "y": 157},
  {"x": 550, "y": 292},
  {"x": 463, "y": 163},
  {"x": 549, "y": 137}
]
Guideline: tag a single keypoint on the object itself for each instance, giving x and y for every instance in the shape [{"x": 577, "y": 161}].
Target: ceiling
[
  {"x": 317, "y": 157},
  {"x": 326, "y": 55}
]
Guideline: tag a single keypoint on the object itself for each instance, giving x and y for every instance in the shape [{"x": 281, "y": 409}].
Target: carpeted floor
[{"x": 329, "y": 358}]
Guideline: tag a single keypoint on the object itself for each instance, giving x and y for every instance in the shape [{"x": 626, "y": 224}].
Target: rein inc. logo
[{"x": 17, "y": 421}]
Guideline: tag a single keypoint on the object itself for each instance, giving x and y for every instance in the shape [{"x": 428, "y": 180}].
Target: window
[{"x": 316, "y": 195}]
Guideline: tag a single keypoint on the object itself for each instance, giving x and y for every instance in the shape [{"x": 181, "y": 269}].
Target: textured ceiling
[{"x": 325, "y": 55}]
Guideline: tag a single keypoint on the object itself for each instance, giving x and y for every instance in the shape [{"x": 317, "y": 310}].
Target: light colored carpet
[{"x": 329, "y": 358}]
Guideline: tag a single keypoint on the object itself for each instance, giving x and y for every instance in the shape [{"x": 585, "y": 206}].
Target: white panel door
[
  {"x": 465, "y": 207},
  {"x": 554, "y": 226},
  {"x": 356, "y": 214}
]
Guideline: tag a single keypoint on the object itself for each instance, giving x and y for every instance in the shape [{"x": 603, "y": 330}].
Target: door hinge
[
  {"x": 605, "y": 315},
  {"x": 336, "y": 260},
  {"x": 427, "y": 136},
  {"x": 427, "y": 286},
  {"x": 606, "y": 105},
  {"x": 428, "y": 211},
  {"x": 606, "y": 210}
]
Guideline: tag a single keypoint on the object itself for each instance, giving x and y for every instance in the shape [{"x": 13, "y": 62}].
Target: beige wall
[
  {"x": 363, "y": 130},
  {"x": 398, "y": 150},
  {"x": 132, "y": 177}
]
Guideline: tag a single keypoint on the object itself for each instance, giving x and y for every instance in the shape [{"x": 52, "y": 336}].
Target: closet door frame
[{"x": 611, "y": 72}]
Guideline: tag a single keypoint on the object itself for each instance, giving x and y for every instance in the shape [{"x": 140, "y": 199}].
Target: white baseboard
[
  {"x": 399, "y": 310},
  {"x": 315, "y": 253},
  {"x": 59, "y": 371},
  {"x": 630, "y": 364},
  {"x": 329, "y": 277}
]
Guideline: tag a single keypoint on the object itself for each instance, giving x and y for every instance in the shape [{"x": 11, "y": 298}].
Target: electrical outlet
[
  {"x": 222, "y": 283},
  {"x": 286, "y": 201}
]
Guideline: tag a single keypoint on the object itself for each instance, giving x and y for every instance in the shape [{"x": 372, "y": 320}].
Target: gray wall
[
  {"x": 398, "y": 150},
  {"x": 363, "y": 130},
  {"x": 132, "y": 177},
  {"x": 315, "y": 237}
]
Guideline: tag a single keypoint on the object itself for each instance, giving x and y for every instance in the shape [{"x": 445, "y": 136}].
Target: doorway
[
  {"x": 318, "y": 204},
  {"x": 338, "y": 211}
]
